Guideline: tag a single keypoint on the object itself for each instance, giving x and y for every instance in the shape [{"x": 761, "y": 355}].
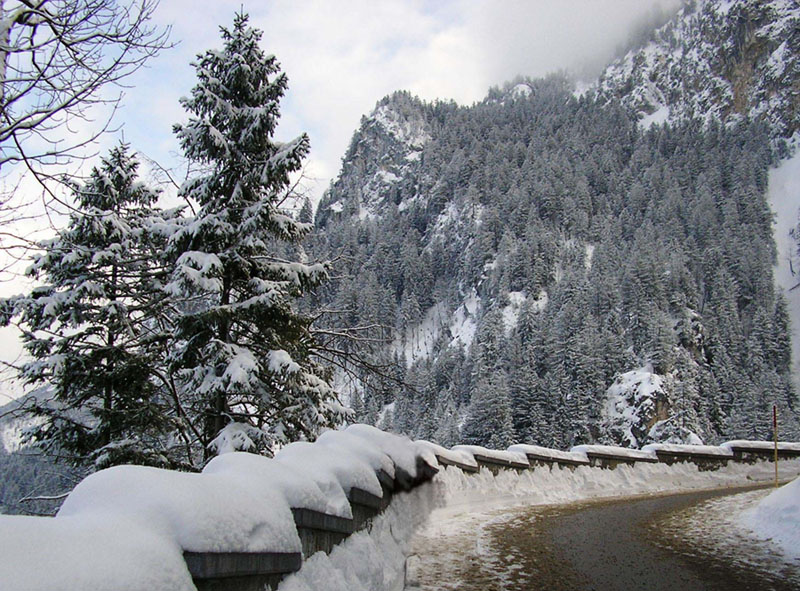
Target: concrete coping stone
[
  {"x": 465, "y": 467},
  {"x": 359, "y": 496},
  {"x": 564, "y": 461},
  {"x": 498, "y": 462},
  {"x": 688, "y": 455},
  {"x": 217, "y": 565},
  {"x": 311, "y": 519},
  {"x": 620, "y": 458}
]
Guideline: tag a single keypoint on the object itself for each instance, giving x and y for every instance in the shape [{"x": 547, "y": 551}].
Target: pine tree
[
  {"x": 95, "y": 328},
  {"x": 243, "y": 353}
]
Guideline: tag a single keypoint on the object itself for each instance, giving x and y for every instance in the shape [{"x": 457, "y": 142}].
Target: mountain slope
[
  {"x": 540, "y": 245},
  {"x": 724, "y": 60}
]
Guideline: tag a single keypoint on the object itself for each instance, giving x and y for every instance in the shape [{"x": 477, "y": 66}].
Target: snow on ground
[
  {"x": 776, "y": 517},
  {"x": 464, "y": 324},
  {"x": 657, "y": 117},
  {"x": 417, "y": 342},
  {"x": 373, "y": 559},
  {"x": 511, "y": 311},
  {"x": 783, "y": 191}
]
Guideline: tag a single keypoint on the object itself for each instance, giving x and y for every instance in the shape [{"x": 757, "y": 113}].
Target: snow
[
  {"x": 708, "y": 450},
  {"x": 234, "y": 437},
  {"x": 359, "y": 447},
  {"x": 398, "y": 447},
  {"x": 280, "y": 361},
  {"x": 418, "y": 341},
  {"x": 521, "y": 91},
  {"x": 504, "y": 457},
  {"x": 431, "y": 451},
  {"x": 777, "y": 518},
  {"x": 589, "y": 250},
  {"x": 334, "y": 470},
  {"x": 631, "y": 402},
  {"x": 90, "y": 552},
  {"x": 265, "y": 475},
  {"x": 613, "y": 451},
  {"x": 387, "y": 177},
  {"x": 762, "y": 445},
  {"x": 336, "y": 207},
  {"x": 782, "y": 194},
  {"x": 410, "y": 131},
  {"x": 546, "y": 452},
  {"x": 657, "y": 117},
  {"x": 373, "y": 559},
  {"x": 197, "y": 512},
  {"x": 464, "y": 324},
  {"x": 511, "y": 311}
]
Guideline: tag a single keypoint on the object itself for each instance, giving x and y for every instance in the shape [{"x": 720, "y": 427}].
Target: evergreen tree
[
  {"x": 243, "y": 354},
  {"x": 95, "y": 327}
]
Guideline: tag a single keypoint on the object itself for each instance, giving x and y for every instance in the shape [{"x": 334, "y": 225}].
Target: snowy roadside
[
  {"x": 756, "y": 530},
  {"x": 451, "y": 512},
  {"x": 776, "y": 518}
]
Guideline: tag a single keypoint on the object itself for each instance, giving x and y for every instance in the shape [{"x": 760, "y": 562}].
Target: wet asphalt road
[
  {"x": 637, "y": 543},
  {"x": 618, "y": 546}
]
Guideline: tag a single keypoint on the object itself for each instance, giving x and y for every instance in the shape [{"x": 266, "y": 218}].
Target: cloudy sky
[{"x": 342, "y": 56}]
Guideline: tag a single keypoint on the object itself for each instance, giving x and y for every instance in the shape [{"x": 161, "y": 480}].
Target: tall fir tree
[
  {"x": 244, "y": 354},
  {"x": 96, "y": 326}
]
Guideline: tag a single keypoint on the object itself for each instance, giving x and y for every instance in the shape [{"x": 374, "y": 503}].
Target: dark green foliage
[
  {"x": 242, "y": 352},
  {"x": 648, "y": 247},
  {"x": 95, "y": 326}
]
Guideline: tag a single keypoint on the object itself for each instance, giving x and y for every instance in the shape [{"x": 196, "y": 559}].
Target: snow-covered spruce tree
[
  {"x": 95, "y": 327},
  {"x": 243, "y": 355}
]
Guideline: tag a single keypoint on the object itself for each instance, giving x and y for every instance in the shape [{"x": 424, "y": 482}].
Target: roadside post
[{"x": 775, "y": 431}]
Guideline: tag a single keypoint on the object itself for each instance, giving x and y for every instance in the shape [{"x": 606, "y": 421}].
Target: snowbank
[{"x": 777, "y": 518}]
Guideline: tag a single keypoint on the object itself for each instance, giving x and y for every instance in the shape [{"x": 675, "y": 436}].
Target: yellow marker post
[{"x": 775, "y": 431}]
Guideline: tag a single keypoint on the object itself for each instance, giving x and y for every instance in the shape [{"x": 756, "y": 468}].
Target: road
[{"x": 627, "y": 544}]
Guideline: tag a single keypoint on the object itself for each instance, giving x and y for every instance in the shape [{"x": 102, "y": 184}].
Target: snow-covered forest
[
  {"x": 561, "y": 267},
  {"x": 556, "y": 264},
  {"x": 573, "y": 280}
]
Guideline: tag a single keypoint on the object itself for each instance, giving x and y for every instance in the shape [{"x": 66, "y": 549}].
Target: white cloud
[{"x": 341, "y": 57}]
